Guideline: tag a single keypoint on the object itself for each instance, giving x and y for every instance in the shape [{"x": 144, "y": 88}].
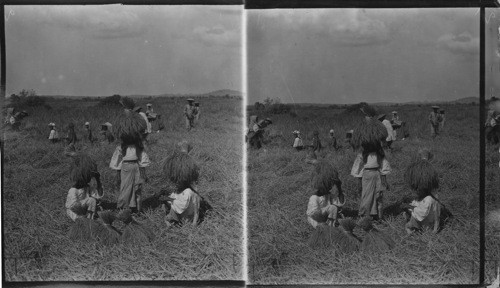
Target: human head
[
  {"x": 332, "y": 131},
  {"x": 190, "y": 101},
  {"x": 435, "y": 108}
]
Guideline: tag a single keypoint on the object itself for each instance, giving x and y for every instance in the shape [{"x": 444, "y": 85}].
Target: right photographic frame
[
  {"x": 492, "y": 134},
  {"x": 364, "y": 146}
]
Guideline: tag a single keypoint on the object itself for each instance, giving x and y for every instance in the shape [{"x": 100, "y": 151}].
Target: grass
[
  {"x": 36, "y": 181},
  {"x": 492, "y": 203},
  {"x": 279, "y": 190}
]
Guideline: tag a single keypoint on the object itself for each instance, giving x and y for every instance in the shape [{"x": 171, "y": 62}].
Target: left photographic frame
[{"x": 122, "y": 148}]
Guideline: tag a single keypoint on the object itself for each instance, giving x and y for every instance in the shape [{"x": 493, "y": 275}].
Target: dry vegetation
[
  {"x": 492, "y": 184},
  {"x": 36, "y": 181},
  {"x": 279, "y": 189}
]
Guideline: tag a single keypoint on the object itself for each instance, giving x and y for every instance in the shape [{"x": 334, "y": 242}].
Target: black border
[{"x": 263, "y": 4}]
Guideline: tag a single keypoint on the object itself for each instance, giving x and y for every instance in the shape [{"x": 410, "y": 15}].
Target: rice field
[
  {"x": 279, "y": 189},
  {"x": 36, "y": 182}
]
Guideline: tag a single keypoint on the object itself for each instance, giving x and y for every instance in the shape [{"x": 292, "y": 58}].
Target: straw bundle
[
  {"x": 181, "y": 169},
  {"x": 368, "y": 110},
  {"x": 348, "y": 242},
  {"x": 421, "y": 176},
  {"x": 375, "y": 240},
  {"x": 371, "y": 131},
  {"x": 127, "y": 103},
  {"x": 324, "y": 176},
  {"x": 324, "y": 236},
  {"x": 107, "y": 234},
  {"x": 134, "y": 232},
  {"x": 80, "y": 230},
  {"x": 82, "y": 169},
  {"x": 129, "y": 127}
]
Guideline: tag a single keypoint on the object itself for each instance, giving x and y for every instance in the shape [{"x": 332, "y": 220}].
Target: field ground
[
  {"x": 279, "y": 190},
  {"x": 492, "y": 185},
  {"x": 36, "y": 181}
]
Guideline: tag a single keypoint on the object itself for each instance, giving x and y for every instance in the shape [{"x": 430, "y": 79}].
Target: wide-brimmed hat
[
  {"x": 190, "y": 100},
  {"x": 149, "y": 104},
  {"x": 137, "y": 109},
  {"x": 87, "y": 123},
  {"x": 381, "y": 116},
  {"x": 394, "y": 112},
  {"x": 107, "y": 124},
  {"x": 296, "y": 132},
  {"x": 52, "y": 124},
  {"x": 435, "y": 107},
  {"x": 332, "y": 131}
]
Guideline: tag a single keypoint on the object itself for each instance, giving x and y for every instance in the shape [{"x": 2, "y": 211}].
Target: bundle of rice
[
  {"x": 371, "y": 131},
  {"x": 348, "y": 242},
  {"x": 181, "y": 169},
  {"x": 375, "y": 240},
  {"x": 324, "y": 176},
  {"x": 134, "y": 232},
  {"x": 127, "y": 103},
  {"x": 368, "y": 110},
  {"x": 80, "y": 230},
  {"x": 421, "y": 176},
  {"x": 129, "y": 127},
  {"x": 106, "y": 234},
  {"x": 324, "y": 236},
  {"x": 82, "y": 168}
]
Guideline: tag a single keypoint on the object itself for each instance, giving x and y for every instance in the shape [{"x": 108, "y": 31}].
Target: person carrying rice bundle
[
  {"x": 435, "y": 120},
  {"x": 82, "y": 170},
  {"x": 426, "y": 209},
  {"x": 182, "y": 171},
  {"x": 371, "y": 167},
  {"x": 298, "y": 144},
  {"x": 130, "y": 160},
  {"x": 323, "y": 206},
  {"x": 54, "y": 135},
  {"x": 189, "y": 114},
  {"x": 255, "y": 138},
  {"x": 390, "y": 131},
  {"x": 146, "y": 131}
]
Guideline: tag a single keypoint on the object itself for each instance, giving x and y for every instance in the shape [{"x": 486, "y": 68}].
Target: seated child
[
  {"x": 181, "y": 170},
  {"x": 426, "y": 209},
  {"x": 323, "y": 206},
  {"x": 82, "y": 170}
]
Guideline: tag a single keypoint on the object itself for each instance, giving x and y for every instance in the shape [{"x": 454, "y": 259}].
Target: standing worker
[
  {"x": 145, "y": 117},
  {"x": 88, "y": 132},
  {"x": 396, "y": 124},
  {"x": 435, "y": 120},
  {"x": 196, "y": 111},
  {"x": 298, "y": 144},
  {"x": 149, "y": 109},
  {"x": 441, "y": 113},
  {"x": 333, "y": 140},
  {"x": 189, "y": 114}
]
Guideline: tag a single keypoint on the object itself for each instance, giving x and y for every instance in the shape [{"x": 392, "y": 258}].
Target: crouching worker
[
  {"x": 425, "y": 211},
  {"x": 82, "y": 170},
  {"x": 130, "y": 161},
  {"x": 324, "y": 206},
  {"x": 182, "y": 171}
]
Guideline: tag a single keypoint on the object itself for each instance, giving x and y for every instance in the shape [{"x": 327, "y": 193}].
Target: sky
[
  {"x": 343, "y": 56},
  {"x": 492, "y": 54},
  {"x": 103, "y": 50}
]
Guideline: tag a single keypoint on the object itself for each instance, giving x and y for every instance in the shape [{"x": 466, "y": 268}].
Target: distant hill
[{"x": 222, "y": 92}]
